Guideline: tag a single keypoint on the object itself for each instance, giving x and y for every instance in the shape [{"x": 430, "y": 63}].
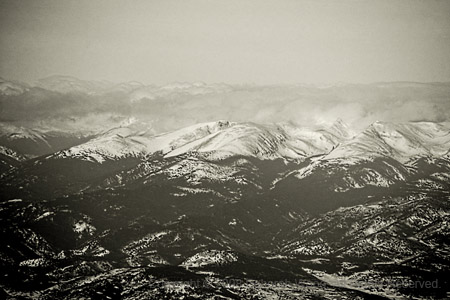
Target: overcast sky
[{"x": 233, "y": 41}]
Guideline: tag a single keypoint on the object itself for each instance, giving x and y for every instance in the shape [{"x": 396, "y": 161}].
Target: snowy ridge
[
  {"x": 101, "y": 149},
  {"x": 12, "y": 132},
  {"x": 265, "y": 141},
  {"x": 381, "y": 156},
  {"x": 210, "y": 257},
  {"x": 399, "y": 141},
  {"x": 135, "y": 141},
  {"x": 11, "y": 153},
  {"x": 218, "y": 140},
  {"x": 215, "y": 140}
]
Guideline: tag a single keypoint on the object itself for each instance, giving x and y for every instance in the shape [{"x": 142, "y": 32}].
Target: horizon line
[{"x": 306, "y": 84}]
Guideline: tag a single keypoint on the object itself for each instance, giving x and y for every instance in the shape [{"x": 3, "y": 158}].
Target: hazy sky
[{"x": 234, "y": 41}]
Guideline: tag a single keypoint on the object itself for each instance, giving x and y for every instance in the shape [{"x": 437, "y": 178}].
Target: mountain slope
[
  {"x": 222, "y": 200},
  {"x": 399, "y": 141},
  {"x": 9, "y": 158},
  {"x": 218, "y": 139},
  {"x": 377, "y": 162},
  {"x": 34, "y": 143}
]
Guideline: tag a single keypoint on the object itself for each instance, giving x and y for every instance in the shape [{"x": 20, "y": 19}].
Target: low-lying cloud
[{"x": 171, "y": 108}]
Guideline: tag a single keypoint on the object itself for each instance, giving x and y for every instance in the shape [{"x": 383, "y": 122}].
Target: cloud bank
[{"x": 177, "y": 105}]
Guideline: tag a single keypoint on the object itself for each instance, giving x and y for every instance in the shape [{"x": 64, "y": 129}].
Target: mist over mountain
[
  {"x": 141, "y": 191},
  {"x": 68, "y": 103}
]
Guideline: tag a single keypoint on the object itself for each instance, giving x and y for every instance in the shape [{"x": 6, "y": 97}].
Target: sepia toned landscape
[{"x": 224, "y": 150}]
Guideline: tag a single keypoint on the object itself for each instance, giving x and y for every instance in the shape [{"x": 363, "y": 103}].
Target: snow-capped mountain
[
  {"x": 215, "y": 139},
  {"x": 401, "y": 142},
  {"x": 322, "y": 206},
  {"x": 136, "y": 140},
  {"x": 398, "y": 141},
  {"x": 383, "y": 155},
  {"x": 34, "y": 142}
]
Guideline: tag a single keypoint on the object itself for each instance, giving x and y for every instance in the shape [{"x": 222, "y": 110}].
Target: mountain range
[{"x": 226, "y": 210}]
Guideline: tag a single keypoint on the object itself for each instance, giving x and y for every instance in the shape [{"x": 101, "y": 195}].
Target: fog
[{"x": 167, "y": 108}]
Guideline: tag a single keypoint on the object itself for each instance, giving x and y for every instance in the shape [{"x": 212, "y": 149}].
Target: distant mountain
[
  {"x": 69, "y": 84},
  {"x": 134, "y": 90},
  {"x": 32, "y": 143},
  {"x": 11, "y": 88}
]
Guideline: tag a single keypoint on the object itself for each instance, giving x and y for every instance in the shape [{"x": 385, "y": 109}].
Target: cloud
[{"x": 358, "y": 105}]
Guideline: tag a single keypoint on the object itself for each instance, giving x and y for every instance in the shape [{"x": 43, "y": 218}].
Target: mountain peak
[
  {"x": 70, "y": 84},
  {"x": 341, "y": 127},
  {"x": 401, "y": 141}
]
